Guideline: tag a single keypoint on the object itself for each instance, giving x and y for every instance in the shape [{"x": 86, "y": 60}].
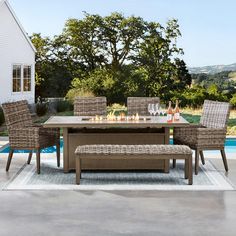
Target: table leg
[
  {"x": 65, "y": 151},
  {"x": 167, "y": 141},
  {"x": 78, "y": 170},
  {"x": 186, "y": 168},
  {"x": 190, "y": 170}
]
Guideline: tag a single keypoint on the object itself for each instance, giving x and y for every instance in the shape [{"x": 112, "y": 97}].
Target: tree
[
  {"x": 108, "y": 42},
  {"x": 41, "y": 58},
  {"x": 194, "y": 97},
  {"x": 52, "y": 70},
  {"x": 233, "y": 100},
  {"x": 182, "y": 79},
  {"x": 214, "y": 93},
  {"x": 114, "y": 56},
  {"x": 157, "y": 56}
]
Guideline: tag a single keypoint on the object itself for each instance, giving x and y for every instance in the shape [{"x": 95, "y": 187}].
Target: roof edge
[
  {"x": 2, "y": 1},
  {"x": 18, "y": 23}
]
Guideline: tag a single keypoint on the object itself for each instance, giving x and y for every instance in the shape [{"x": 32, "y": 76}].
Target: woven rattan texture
[
  {"x": 22, "y": 133},
  {"x": 17, "y": 114},
  {"x": 215, "y": 114},
  {"x": 140, "y": 105},
  {"x": 211, "y": 132},
  {"x": 90, "y": 106},
  {"x": 133, "y": 149}
]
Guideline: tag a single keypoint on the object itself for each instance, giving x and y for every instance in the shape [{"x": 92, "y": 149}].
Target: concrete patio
[
  {"x": 116, "y": 212},
  {"x": 3, "y": 141}
]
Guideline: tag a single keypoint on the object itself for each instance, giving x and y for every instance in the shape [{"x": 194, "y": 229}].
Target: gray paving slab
[{"x": 109, "y": 213}]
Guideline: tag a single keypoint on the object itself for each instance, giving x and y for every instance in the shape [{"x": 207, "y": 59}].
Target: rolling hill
[{"x": 212, "y": 69}]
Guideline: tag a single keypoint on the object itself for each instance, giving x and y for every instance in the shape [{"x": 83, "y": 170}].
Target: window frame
[
  {"x": 22, "y": 65},
  {"x": 16, "y": 92},
  {"x": 23, "y": 78}
]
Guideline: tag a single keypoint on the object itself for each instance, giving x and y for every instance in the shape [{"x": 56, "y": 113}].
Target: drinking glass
[
  {"x": 151, "y": 108},
  {"x": 154, "y": 109},
  {"x": 157, "y": 109},
  {"x": 162, "y": 109}
]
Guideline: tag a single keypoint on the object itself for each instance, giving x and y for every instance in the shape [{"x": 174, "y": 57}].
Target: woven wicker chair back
[
  {"x": 140, "y": 105},
  {"x": 215, "y": 114},
  {"x": 90, "y": 106},
  {"x": 17, "y": 114}
]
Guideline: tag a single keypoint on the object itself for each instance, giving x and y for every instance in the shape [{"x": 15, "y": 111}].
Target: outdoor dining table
[{"x": 81, "y": 130}]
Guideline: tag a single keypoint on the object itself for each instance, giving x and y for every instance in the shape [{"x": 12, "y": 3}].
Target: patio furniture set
[{"x": 94, "y": 142}]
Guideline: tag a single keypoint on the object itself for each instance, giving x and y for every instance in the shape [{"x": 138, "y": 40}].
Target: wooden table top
[{"x": 85, "y": 121}]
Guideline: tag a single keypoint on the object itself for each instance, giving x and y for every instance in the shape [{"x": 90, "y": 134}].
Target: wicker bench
[{"x": 135, "y": 152}]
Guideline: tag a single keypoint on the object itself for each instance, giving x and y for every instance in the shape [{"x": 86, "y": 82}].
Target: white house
[{"x": 17, "y": 58}]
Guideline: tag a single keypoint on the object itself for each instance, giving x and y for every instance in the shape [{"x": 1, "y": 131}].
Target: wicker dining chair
[
  {"x": 209, "y": 134},
  {"x": 90, "y": 106},
  {"x": 24, "y": 135},
  {"x": 140, "y": 105}
]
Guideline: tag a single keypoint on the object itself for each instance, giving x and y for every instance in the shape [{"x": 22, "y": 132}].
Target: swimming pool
[{"x": 230, "y": 147}]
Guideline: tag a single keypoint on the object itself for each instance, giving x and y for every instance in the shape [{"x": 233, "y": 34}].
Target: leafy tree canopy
[{"x": 115, "y": 56}]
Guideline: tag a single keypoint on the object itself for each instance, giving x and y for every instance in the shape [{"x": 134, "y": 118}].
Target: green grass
[
  {"x": 191, "y": 118},
  {"x": 3, "y": 132}
]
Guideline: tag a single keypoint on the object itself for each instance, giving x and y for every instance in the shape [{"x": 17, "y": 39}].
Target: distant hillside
[
  {"x": 212, "y": 69},
  {"x": 232, "y": 76}
]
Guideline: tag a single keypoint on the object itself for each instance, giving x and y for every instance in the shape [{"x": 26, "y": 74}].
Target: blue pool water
[
  {"x": 45, "y": 150},
  {"x": 230, "y": 147}
]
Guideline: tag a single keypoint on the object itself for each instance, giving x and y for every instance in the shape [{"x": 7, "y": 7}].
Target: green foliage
[
  {"x": 103, "y": 41},
  {"x": 215, "y": 94},
  {"x": 2, "y": 119},
  {"x": 191, "y": 118},
  {"x": 112, "y": 56},
  {"x": 220, "y": 86},
  {"x": 233, "y": 100},
  {"x": 194, "y": 97},
  {"x": 232, "y": 75},
  {"x": 158, "y": 56},
  {"x": 116, "y": 86},
  {"x": 52, "y": 67},
  {"x": 64, "y": 105},
  {"x": 116, "y": 109},
  {"x": 79, "y": 89},
  {"x": 223, "y": 80},
  {"x": 117, "y": 56},
  {"x": 41, "y": 108}
]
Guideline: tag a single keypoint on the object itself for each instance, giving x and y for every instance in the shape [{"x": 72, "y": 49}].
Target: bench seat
[{"x": 154, "y": 151}]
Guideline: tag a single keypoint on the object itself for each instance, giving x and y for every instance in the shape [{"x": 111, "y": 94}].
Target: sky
[{"x": 208, "y": 27}]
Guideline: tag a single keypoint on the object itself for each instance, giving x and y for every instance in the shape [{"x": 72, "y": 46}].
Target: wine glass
[
  {"x": 162, "y": 109},
  {"x": 151, "y": 108},
  {"x": 154, "y": 109},
  {"x": 157, "y": 109}
]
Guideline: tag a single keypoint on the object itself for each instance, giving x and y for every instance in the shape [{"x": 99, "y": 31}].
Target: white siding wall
[{"x": 14, "y": 49}]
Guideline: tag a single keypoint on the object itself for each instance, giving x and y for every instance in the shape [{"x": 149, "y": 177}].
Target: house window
[
  {"x": 21, "y": 76},
  {"x": 16, "y": 78},
  {"x": 27, "y": 79}
]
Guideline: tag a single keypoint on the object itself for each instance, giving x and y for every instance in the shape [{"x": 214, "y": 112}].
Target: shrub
[
  {"x": 2, "y": 119},
  {"x": 77, "y": 92},
  {"x": 41, "y": 108},
  {"x": 116, "y": 108},
  {"x": 233, "y": 100},
  {"x": 64, "y": 106},
  {"x": 194, "y": 97}
]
